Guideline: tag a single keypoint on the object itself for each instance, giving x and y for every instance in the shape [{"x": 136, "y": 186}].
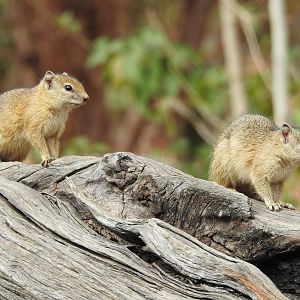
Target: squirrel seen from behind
[
  {"x": 254, "y": 156},
  {"x": 37, "y": 116}
]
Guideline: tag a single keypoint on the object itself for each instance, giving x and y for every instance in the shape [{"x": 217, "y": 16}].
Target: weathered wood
[
  {"x": 47, "y": 252},
  {"x": 98, "y": 214}
]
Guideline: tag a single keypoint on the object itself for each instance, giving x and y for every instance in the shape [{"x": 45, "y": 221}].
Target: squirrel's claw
[
  {"x": 287, "y": 205},
  {"x": 47, "y": 161}
]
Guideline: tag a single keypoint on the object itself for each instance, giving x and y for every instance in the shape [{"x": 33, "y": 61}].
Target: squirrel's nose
[{"x": 85, "y": 97}]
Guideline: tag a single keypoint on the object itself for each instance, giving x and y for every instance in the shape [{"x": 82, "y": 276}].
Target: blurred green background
[{"x": 155, "y": 71}]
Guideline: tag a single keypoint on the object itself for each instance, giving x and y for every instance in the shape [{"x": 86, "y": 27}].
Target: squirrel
[
  {"x": 37, "y": 116},
  {"x": 254, "y": 156}
]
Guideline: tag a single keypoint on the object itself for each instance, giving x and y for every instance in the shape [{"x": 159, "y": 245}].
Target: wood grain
[{"x": 111, "y": 228}]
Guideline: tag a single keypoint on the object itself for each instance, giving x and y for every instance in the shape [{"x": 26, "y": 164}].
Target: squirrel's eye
[{"x": 68, "y": 88}]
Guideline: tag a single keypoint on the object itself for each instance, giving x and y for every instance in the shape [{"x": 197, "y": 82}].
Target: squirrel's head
[
  {"x": 64, "y": 90},
  {"x": 290, "y": 139}
]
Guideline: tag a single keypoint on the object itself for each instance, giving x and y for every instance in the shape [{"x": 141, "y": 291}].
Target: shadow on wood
[{"x": 88, "y": 227}]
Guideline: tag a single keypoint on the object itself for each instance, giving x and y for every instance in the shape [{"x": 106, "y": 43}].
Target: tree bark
[
  {"x": 88, "y": 228},
  {"x": 194, "y": 21}
]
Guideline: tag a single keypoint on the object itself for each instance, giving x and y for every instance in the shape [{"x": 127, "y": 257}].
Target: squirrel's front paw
[
  {"x": 287, "y": 205},
  {"x": 46, "y": 161},
  {"x": 273, "y": 206}
]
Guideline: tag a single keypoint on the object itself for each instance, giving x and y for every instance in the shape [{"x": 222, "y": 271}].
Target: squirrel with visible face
[
  {"x": 36, "y": 117},
  {"x": 254, "y": 156}
]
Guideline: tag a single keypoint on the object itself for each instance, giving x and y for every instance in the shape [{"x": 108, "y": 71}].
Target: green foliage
[
  {"x": 68, "y": 22},
  {"x": 296, "y": 118},
  {"x": 34, "y": 156},
  {"x": 81, "y": 145},
  {"x": 184, "y": 156},
  {"x": 258, "y": 95},
  {"x": 134, "y": 70},
  {"x": 211, "y": 84},
  {"x": 192, "y": 159},
  {"x": 148, "y": 71}
]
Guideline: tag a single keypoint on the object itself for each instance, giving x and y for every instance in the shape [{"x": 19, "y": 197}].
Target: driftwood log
[{"x": 128, "y": 227}]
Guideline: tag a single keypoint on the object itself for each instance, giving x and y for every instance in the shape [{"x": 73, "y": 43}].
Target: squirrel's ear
[
  {"x": 65, "y": 73},
  {"x": 48, "y": 78},
  {"x": 285, "y": 131}
]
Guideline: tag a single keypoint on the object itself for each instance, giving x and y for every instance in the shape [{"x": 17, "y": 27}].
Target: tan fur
[
  {"x": 36, "y": 117},
  {"x": 253, "y": 157}
]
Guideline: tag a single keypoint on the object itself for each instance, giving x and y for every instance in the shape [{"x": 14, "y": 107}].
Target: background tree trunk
[
  {"x": 193, "y": 21},
  {"x": 279, "y": 61},
  {"x": 232, "y": 55}
]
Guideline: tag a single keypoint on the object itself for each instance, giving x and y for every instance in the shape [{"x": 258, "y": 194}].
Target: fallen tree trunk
[{"x": 87, "y": 227}]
